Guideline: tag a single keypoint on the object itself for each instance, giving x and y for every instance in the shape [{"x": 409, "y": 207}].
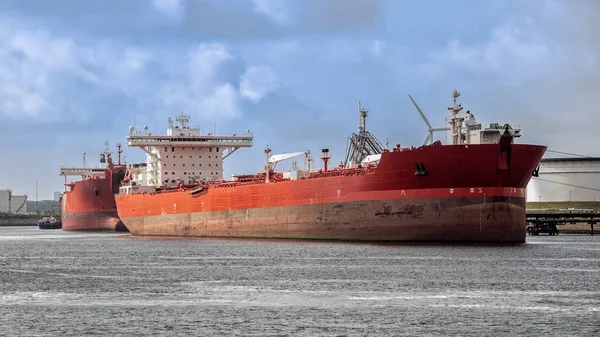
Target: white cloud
[
  {"x": 377, "y": 47},
  {"x": 204, "y": 61},
  {"x": 277, "y": 10},
  {"x": 40, "y": 70},
  {"x": 168, "y": 7},
  {"x": 512, "y": 49},
  {"x": 258, "y": 82},
  {"x": 200, "y": 91},
  {"x": 43, "y": 73},
  {"x": 31, "y": 63}
]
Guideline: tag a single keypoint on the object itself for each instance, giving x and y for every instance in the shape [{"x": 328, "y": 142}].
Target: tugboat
[{"x": 49, "y": 223}]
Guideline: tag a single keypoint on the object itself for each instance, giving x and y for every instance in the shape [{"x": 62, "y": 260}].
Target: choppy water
[{"x": 58, "y": 283}]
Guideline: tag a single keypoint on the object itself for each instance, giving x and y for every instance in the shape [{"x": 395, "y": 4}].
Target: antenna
[{"x": 429, "y": 138}]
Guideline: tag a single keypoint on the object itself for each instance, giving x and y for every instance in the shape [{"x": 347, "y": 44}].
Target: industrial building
[
  {"x": 10, "y": 203},
  {"x": 566, "y": 179}
]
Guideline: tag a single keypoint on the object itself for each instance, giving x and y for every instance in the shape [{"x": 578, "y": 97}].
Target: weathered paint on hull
[
  {"x": 93, "y": 221},
  {"x": 452, "y": 201},
  {"x": 474, "y": 219}
]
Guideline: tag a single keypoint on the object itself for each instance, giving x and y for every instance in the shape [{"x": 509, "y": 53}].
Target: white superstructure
[
  {"x": 464, "y": 128},
  {"x": 184, "y": 154}
]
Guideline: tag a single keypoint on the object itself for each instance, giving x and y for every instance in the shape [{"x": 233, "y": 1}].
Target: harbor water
[{"x": 56, "y": 283}]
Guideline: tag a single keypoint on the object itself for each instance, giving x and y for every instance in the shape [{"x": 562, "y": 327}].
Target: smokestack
[{"x": 325, "y": 157}]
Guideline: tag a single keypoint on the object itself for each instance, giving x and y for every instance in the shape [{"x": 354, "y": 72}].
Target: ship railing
[
  {"x": 244, "y": 141},
  {"x": 246, "y": 180},
  {"x": 80, "y": 171}
]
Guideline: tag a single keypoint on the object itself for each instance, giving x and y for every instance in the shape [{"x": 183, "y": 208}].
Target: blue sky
[{"x": 74, "y": 73}]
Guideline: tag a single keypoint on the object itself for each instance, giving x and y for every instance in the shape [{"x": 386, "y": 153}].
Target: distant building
[
  {"x": 56, "y": 196},
  {"x": 10, "y": 203},
  {"x": 566, "y": 179}
]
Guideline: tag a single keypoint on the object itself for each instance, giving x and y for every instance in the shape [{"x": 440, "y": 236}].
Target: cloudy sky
[{"x": 74, "y": 74}]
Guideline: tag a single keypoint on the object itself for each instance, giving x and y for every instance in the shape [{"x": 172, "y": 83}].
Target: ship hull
[
  {"x": 434, "y": 193},
  {"x": 93, "y": 221},
  {"x": 465, "y": 219},
  {"x": 90, "y": 204}
]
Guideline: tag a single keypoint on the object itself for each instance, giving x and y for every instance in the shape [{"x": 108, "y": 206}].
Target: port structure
[
  {"x": 362, "y": 144},
  {"x": 547, "y": 220}
]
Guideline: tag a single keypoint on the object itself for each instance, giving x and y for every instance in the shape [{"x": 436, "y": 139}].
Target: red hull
[
  {"x": 469, "y": 193},
  {"x": 90, "y": 204}
]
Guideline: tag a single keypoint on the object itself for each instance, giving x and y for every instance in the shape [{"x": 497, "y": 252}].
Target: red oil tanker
[
  {"x": 472, "y": 190},
  {"x": 89, "y": 204}
]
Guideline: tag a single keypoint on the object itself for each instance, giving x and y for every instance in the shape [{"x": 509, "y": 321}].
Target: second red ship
[{"x": 89, "y": 204}]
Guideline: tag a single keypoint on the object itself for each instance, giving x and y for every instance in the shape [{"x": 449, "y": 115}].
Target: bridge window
[
  {"x": 172, "y": 148},
  {"x": 173, "y": 164},
  {"x": 190, "y": 156},
  {"x": 217, "y": 149},
  {"x": 183, "y": 164},
  {"x": 193, "y": 164},
  {"x": 210, "y": 149},
  {"x": 173, "y": 173},
  {"x": 166, "y": 149}
]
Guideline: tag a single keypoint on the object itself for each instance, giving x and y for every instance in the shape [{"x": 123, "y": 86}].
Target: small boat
[{"x": 49, "y": 223}]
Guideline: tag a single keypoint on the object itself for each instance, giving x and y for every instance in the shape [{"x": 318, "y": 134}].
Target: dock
[{"x": 550, "y": 220}]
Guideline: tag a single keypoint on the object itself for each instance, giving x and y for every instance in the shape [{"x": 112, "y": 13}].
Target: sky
[{"x": 75, "y": 74}]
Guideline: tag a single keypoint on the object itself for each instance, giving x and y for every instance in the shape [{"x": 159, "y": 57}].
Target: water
[{"x": 58, "y": 283}]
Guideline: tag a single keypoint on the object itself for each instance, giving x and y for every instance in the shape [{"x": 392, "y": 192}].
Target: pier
[{"x": 549, "y": 220}]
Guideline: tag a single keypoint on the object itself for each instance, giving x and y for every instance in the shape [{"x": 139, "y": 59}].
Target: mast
[{"x": 119, "y": 151}]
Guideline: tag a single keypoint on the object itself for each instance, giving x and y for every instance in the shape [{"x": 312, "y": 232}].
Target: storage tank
[{"x": 566, "y": 179}]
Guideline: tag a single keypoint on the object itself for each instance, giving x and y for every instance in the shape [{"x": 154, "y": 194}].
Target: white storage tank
[{"x": 566, "y": 179}]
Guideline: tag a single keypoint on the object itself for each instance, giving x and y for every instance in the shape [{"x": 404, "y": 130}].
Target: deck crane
[{"x": 276, "y": 158}]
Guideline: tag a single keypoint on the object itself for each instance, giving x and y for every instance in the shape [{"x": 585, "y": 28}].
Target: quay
[
  {"x": 20, "y": 219},
  {"x": 574, "y": 220}
]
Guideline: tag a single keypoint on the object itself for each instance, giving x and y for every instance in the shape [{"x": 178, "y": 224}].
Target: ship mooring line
[
  {"x": 565, "y": 184},
  {"x": 568, "y": 154}
]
